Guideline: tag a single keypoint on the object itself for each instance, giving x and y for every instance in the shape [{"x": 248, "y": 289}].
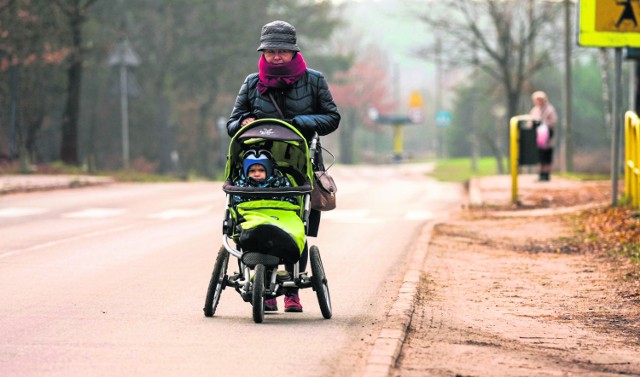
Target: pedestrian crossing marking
[
  {"x": 419, "y": 215},
  {"x": 21, "y": 211},
  {"x": 94, "y": 213},
  {"x": 179, "y": 213}
]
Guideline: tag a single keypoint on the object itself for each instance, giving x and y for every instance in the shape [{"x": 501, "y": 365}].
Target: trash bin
[{"x": 528, "y": 149}]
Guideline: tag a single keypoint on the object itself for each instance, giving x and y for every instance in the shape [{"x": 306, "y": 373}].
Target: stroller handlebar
[{"x": 313, "y": 146}]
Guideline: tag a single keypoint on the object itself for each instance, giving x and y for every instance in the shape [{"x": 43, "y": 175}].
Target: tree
[
  {"x": 194, "y": 54},
  {"x": 364, "y": 86},
  {"x": 75, "y": 11},
  {"x": 497, "y": 37},
  {"x": 30, "y": 54}
]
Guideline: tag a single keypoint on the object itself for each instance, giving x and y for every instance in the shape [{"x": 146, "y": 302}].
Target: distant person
[
  {"x": 285, "y": 88},
  {"x": 545, "y": 120}
]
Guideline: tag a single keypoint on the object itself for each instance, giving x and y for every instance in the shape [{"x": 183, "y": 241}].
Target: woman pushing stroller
[{"x": 284, "y": 88}]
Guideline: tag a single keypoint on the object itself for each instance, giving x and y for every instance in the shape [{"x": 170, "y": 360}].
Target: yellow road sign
[
  {"x": 609, "y": 23},
  {"x": 415, "y": 101},
  {"x": 416, "y": 108}
]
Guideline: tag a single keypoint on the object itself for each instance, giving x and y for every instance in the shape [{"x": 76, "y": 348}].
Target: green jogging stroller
[{"x": 264, "y": 232}]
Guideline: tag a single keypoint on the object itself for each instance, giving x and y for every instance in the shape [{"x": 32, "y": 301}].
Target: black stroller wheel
[
  {"x": 257, "y": 299},
  {"x": 217, "y": 282},
  {"x": 320, "y": 284}
]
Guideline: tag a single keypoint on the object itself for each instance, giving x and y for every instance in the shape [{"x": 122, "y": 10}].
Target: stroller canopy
[{"x": 286, "y": 144}]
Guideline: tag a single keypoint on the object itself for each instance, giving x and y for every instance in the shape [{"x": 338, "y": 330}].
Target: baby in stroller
[{"x": 260, "y": 170}]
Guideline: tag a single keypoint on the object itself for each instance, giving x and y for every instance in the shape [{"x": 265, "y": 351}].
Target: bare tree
[{"x": 497, "y": 37}]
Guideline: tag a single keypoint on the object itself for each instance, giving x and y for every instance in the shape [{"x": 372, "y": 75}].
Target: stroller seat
[{"x": 270, "y": 227}]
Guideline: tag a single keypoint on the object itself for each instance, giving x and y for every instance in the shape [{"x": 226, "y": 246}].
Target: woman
[
  {"x": 545, "y": 115},
  {"x": 285, "y": 88}
]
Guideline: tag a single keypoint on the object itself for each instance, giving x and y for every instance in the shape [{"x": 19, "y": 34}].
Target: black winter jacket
[{"x": 308, "y": 105}]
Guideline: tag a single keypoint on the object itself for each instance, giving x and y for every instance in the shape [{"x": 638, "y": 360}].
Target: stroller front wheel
[
  {"x": 320, "y": 284},
  {"x": 257, "y": 298},
  {"x": 217, "y": 282}
]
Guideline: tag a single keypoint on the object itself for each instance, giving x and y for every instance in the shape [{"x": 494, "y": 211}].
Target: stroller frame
[{"x": 258, "y": 277}]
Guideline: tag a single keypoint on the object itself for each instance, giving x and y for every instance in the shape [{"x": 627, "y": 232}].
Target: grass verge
[{"x": 462, "y": 169}]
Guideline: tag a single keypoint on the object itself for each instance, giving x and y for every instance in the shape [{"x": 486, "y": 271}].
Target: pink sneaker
[
  {"x": 270, "y": 305},
  {"x": 292, "y": 303}
]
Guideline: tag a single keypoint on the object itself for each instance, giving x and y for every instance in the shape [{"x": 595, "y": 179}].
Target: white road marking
[
  {"x": 94, "y": 213},
  {"x": 354, "y": 216},
  {"x": 419, "y": 215},
  {"x": 66, "y": 240},
  {"x": 351, "y": 216},
  {"x": 21, "y": 211},
  {"x": 179, "y": 213},
  {"x": 342, "y": 214}
]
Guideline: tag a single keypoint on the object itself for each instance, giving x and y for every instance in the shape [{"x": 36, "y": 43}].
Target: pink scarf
[{"x": 280, "y": 75}]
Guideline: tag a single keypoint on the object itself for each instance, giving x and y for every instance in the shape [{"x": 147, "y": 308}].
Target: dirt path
[{"x": 490, "y": 306}]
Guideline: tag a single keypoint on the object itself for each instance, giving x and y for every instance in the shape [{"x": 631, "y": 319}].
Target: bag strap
[{"x": 273, "y": 100}]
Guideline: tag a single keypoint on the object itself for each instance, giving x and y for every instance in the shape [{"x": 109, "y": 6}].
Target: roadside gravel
[{"x": 490, "y": 303}]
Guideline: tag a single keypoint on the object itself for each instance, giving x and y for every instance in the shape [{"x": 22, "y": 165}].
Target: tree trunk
[{"x": 69, "y": 145}]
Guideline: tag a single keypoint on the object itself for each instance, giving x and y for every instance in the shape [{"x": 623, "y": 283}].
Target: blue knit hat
[{"x": 261, "y": 157}]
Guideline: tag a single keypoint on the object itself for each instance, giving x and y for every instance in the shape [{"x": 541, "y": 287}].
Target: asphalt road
[{"x": 110, "y": 280}]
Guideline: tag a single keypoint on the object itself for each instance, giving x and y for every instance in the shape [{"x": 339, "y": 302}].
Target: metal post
[
  {"x": 13, "y": 105},
  {"x": 617, "y": 107},
  {"x": 124, "y": 115},
  {"x": 634, "y": 99},
  {"x": 439, "y": 147},
  {"x": 515, "y": 156},
  {"x": 122, "y": 57},
  {"x": 568, "y": 134},
  {"x": 397, "y": 142}
]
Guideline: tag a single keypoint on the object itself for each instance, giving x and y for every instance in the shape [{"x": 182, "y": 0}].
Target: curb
[
  {"x": 29, "y": 183},
  {"x": 388, "y": 345}
]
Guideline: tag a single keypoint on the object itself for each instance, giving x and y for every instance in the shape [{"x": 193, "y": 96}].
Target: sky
[{"x": 388, "y": 24}]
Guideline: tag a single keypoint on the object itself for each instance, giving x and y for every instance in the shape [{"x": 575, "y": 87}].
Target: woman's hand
[{"x": 246, "y": 121}]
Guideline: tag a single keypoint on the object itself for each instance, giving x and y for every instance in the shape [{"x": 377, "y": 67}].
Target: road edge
[{"x": 388, "y": 345}]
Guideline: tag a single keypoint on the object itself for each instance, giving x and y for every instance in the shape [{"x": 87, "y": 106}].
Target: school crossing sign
[{"x": 609, "y": 23}]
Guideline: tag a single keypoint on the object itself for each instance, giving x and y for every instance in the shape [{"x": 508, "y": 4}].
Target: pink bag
[{"x": 542, "y": 136}]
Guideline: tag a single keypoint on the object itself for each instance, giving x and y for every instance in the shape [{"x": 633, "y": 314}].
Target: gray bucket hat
[{"x": 278, "y": 35}]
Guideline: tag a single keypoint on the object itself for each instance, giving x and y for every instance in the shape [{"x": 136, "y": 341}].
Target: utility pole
[
  {"x": 568, "y": 99},
  {"x": 532, "y": 47},
  {"x": 123, "y": 56},
  {"x": 439, "y": 131}
]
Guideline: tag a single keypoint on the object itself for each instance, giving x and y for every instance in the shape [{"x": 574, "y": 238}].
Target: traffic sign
[
  {"x": 443, "y": 118},
  {"x": 123, "y": 54},
  {"x": 416, "y": 108},
  {"x": 609, "y": 23}
]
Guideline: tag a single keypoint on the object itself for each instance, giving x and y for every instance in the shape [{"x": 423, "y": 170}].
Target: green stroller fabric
[{"x": 270, "y": 227}]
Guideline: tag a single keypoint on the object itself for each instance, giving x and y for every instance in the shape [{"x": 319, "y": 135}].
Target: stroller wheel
[
  {"x": 257, "y": 299},
  {"x": 319, "y": 280},
  {"x": 217, "y": 282}
]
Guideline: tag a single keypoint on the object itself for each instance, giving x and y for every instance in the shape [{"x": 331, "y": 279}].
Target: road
[{"x": 110, "y": 280}]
